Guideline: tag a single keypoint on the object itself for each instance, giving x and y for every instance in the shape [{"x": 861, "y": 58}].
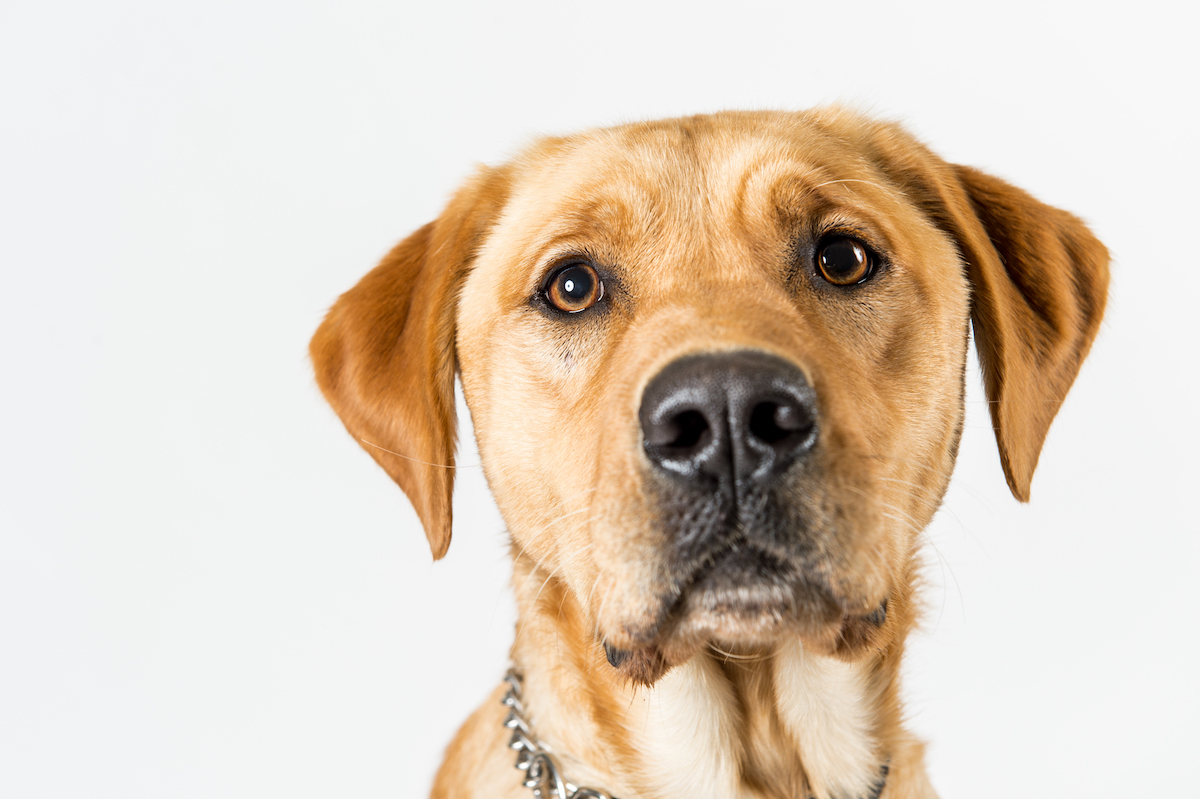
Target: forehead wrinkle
[
  {"x": 614, "y": 205},
  {"x": 774, "y": 190},
  {"x": 682, "y": 168},
  {"x": 579, "y": 199},
  {"x": 615, "y": 218},
  {"x": 771, "y": 188},
  {"x": 648, "y": 204}
]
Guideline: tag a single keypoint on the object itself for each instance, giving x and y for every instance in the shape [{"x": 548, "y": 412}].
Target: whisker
[
  {"x": 918, "y": 487},
  {"x": 905, "y": 519},
  {"x": 957, "y": 482},
  {"x": 848, "y": 180},
  {"x": 553, "y": 522},
  {"x": 943, "y": 561},
  {"x": 600, "y": 612},
  {"x": 908, "y": 519},
  {"x": 418, "y": 460},
  {"x": 525, "y": 617},
  {"x": 592, "y": 591},
  {"x": 945, "y": 565},
  {"x": 538, "y": 566},
  {"x": 939, "y": 505},
  {"x": 734, "y": 656}
]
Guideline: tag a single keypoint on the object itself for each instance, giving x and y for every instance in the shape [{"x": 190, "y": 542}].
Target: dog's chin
[{"x": 747, "y": 600}]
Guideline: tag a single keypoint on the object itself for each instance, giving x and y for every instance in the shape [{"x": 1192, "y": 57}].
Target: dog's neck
[{"x": 780, "y": 722}]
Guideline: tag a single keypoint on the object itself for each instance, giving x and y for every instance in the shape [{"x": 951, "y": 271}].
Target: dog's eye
[
  {"x": 574, "y": 288},
  {"x": 844, "y": 261}
]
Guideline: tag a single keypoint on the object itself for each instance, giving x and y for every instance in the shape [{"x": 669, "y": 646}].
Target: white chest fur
[
  {"x": 823, "y": 704},
  {"x": 690, "y": 727}
]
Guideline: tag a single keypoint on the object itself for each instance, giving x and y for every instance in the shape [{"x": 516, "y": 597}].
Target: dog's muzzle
[{"x": 722, "y": 432}]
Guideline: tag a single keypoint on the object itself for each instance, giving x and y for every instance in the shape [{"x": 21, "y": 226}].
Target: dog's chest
[{"x": 758, "y": 728}]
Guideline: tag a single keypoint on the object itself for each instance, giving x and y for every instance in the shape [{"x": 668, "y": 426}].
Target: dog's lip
[
  {"x": 714, "y": 608},
  {"x": 740, "y": 580},
  {"x": 746, "y": 592},
  {"x": 735, "y": 563}
]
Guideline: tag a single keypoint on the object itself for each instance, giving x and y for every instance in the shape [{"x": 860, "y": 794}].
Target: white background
[{"x": 208, "y": 590}]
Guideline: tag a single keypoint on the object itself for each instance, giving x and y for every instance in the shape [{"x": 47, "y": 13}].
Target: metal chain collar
[{"x": 542, "y": 774}]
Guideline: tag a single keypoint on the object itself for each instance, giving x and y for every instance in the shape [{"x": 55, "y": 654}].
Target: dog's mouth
[
  {"x": 743, "y": 596},
  {"x": 741, "y": 581},
  {"x": 744, "y": 593}
]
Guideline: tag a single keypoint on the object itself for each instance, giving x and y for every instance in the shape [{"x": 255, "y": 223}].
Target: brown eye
[
  {"x": 574, "y": 288},
  {"x": 844, "y": 261}
]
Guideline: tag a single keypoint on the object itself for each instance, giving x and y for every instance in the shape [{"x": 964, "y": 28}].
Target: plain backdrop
[{"x": 208, "y": 590}]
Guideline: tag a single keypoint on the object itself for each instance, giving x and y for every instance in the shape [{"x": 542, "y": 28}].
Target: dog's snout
[{"x": 728, "y": 418}]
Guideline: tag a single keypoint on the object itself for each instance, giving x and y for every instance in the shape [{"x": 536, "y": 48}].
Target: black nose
[{"x": 711, "y": 419}]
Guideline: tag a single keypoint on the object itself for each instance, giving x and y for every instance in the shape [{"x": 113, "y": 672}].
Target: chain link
[{"x": 541, "y": 772}]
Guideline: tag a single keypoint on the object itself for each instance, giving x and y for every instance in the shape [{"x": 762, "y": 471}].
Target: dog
[{"x": 716, "y": 370}]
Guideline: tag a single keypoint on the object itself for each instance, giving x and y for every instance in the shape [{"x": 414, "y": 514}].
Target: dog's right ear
[{"x": 385, "y": 357}]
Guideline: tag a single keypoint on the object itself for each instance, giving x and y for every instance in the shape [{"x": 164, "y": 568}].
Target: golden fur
[{"x": 700, "y": 225}]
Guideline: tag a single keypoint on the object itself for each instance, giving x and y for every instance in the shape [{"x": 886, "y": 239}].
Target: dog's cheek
[
  {"x": 838, "y": 500},
  {"x": 542, "y": 491},
  {"x": 905, "y": 397},
  {"x": 631, "y": 596}
]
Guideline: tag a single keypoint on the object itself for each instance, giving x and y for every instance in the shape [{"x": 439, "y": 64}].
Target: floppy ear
[
  {"x": 1039, "y": 285},
  {"x": 1039, "y": 282},
  {"x": 384, "y": 356}
]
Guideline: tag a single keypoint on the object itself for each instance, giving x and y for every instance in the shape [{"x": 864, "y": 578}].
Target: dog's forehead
[
  {"x": 698, "y": 166},
  {"x": 670, "y": 191}
]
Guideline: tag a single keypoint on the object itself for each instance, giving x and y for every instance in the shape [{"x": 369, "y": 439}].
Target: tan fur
[{"x": 698, "y": 220}]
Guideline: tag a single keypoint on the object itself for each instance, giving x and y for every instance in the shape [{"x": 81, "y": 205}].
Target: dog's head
[{"x": 715, "y": 364}]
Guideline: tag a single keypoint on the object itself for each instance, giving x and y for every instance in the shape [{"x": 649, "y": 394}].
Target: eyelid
[
  {"x": 559, "y": 264},
  {"x": 851, "y": 229}
]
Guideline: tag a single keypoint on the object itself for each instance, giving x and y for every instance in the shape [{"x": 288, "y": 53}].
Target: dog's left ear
[
  {"x": 1039, "y": 281},
  {"x": 385, "y": 357}
]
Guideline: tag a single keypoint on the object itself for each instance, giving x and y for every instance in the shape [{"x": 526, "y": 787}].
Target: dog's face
[
  {"x": 715, "y": 365},
  {"x": 750, "y": 407}
]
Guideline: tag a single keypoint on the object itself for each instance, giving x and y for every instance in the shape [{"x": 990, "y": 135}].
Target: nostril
[
  {"x": 684, "y": 430},
  {"x": 691, "y": 426},
  {"x": 771, "y": 422}
]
